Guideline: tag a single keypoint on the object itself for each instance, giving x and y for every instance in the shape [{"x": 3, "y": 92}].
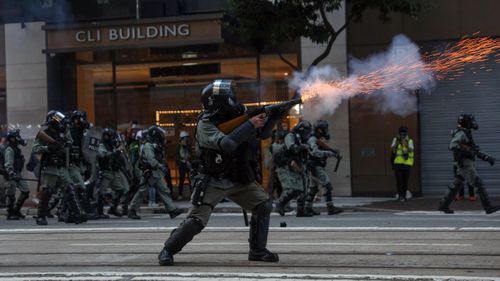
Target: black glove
[{"x": 491, "y": 160}]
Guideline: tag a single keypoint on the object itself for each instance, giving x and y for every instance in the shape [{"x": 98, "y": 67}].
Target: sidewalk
[{"x": 350, "y": 204}]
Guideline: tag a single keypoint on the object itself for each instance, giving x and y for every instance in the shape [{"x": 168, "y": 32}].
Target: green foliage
[{"x": 266, "y": 23}]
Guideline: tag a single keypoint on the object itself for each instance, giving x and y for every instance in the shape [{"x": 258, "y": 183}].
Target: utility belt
[
  {"x": 57, "y": 162},
  {"x": 316, "y": 162}
]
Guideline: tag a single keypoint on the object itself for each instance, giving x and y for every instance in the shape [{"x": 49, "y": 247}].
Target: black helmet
[
  {"x": 79, "y": 118},
  {"x": 156, "y": 134},
  {"x": 467, "y": 121},
  {"x": 303, "y": 128},
  {"x": 108, "y": 136},
  {"x": 403, "y": 130},
  {"x": 14, "y": 136},
  {"x": 220, "y": 97},
  {"x": 56, "y": 120},
  {"x": 321, "y": 129}
]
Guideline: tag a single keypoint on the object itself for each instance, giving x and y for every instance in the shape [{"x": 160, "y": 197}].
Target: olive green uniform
[
  {"x": 464, "y": 157},
  {"x": 55, "y": 176},
  {"x": 248, "y": 196},
  {"x": 13, "y": 164},
  {"x": 152, "y": 177},
  {"x": 112, "y": 181}
]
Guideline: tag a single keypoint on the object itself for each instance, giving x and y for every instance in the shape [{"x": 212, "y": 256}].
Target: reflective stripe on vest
[{"x": 400, "y": 159}]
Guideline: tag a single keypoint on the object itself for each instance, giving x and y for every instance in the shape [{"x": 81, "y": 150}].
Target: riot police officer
[
  {"x": 465, "y": 152},
  {"x": 152, "y": 163},
  {"x": 226, "y": 172},
  {"x": 291, "y": 168},
  {"x": 53, "y": 143},
  {"x": 112, "y": 180},
  {"x": 318, "y": 155},
  {"x": 13, "y": 165},
  {"x": 77, "y": 127}
]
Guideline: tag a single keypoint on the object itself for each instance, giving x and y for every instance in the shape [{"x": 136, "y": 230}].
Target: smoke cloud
[{"x": 389, "y": 79}]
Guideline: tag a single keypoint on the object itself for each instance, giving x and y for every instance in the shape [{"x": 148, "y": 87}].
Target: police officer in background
[
  {"x": 316, "y": 164},
  {"x": 403, "y": 158},
  {"x": 182, "y": 159},
  {"x": 55, "y": 175},
  {"x": 291, "y": 168},
  {"x": 13, "y": 165},
  {"x": 112, "y": 181},
  {"x": 465, "y": 152},
  {"x": 226, "y": 172},
  {"x": 78, "y": 125},
  {"x": 152, "y": 163}
]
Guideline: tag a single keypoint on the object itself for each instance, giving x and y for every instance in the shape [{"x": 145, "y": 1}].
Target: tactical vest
[
  {"x": 470, "y": 142},
  {"x": 106, "y": 163},
  {"x": 75, "y": 155},
  {"x": 301, "y": 157},
  {"x": 18, "y": 159},
  {"x": 55, "y": 158},
  {"x": 234, "y": 166},
  {"x": 316, "y": 161}
]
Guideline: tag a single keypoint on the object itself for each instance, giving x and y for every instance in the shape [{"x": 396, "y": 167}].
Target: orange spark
[{"x": 404, "y": 74}]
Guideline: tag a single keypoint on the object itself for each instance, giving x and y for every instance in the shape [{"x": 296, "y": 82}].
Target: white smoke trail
[{"x": 389, "y": 78}]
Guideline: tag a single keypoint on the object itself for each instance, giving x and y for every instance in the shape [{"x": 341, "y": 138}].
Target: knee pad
[{"x": 263, "y": 208}]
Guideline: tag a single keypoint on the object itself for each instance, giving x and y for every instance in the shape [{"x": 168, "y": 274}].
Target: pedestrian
[
  {"x": 319, "y": 152},
  {"x": 226, "y": 172},
  {"x": 152, "y": 164},
  {"x": 182, "y": 159},
  {"x": 13, "y": 164},
  {"x": 3, "y": 181},
  {"x": 53, "y": 143},
  {"x": 465, "y": 152},
  {"x": 403, "y": 153},
  {"x": 291, "y": 168}
]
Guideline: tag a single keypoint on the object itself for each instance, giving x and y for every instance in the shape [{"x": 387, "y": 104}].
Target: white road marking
[
  {"x": 240, "y": 229},
  {"x": 212, "y": 276},
  {"x": 457, "y": 213},
  {"x": 280, "y": 244}
]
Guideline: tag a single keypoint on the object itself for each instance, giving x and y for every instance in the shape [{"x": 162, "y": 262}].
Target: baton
[
  {"x": 24, "y": 179},
  {"x": 339, "y": 158}
]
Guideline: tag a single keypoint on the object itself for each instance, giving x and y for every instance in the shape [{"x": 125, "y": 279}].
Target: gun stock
[
  {"x": 46, "y": 138},
  {"x": 228, "y": 126}
]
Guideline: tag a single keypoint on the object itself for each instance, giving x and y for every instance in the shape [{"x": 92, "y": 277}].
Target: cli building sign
[
  {"x": 192, "y": 30},
  {"x": 133, "y": 33}
]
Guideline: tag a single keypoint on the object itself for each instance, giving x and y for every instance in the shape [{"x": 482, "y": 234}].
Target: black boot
[
  {"x": 132, "y": 214},
  {"x": 332, "y": 210},
  {"x": 43, "y": 206},
  {"x": 178, "y": 239},
  {"x": 20, "y": 201},
  {"x": 453, "y": 188},
  {"x": 100, "y": 209},
  {"x": 125, "y": 208},
  {"x": 280, "y": 206},
  {"x": 259, "y": 229},
  {"x": 11, "y": 215},
  {"x": 485, "y": 199},
  {"x": 176, "y": 212},
  {"x": 301, "y": 210},
  {"x": 76, "y": 213},
  {"x": 113, "y": 210}
]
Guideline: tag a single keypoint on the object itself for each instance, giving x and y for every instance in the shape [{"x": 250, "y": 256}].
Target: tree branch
[
  {"x": 333, "y": 37},
  {"x": 289, "y": 63}
]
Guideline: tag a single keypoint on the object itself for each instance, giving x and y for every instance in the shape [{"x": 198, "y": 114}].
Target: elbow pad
[{"x": 242, "y": 133}]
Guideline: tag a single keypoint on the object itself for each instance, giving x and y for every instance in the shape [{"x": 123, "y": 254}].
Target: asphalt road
[{"x": 350, "y": 246}]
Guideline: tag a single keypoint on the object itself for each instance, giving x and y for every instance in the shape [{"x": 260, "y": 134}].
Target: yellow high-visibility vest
[{"x": 400, "y": 151}]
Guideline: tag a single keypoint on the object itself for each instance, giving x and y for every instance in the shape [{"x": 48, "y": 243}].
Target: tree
[{"x": 269, "y": 24}]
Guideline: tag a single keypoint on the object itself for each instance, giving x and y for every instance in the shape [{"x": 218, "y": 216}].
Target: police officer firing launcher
[{"x": 226, "y": 171}]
